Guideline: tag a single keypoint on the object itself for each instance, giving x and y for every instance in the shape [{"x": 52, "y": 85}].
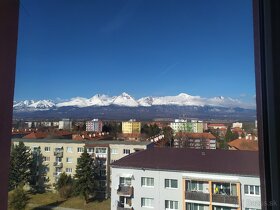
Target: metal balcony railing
[
  {"x": 220, "y": 198},
  {"x": 198, "y": 196},
  {"x": 125, "y": 191}
]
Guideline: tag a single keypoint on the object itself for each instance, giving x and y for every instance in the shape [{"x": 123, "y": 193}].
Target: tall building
[
  {"x": 94, "y": 125},
  {"x": 187, "y": 179},
  {"x": 181, "y": 125},
  {"x": 65, "y": 124},
  {"x": 131, "y": 127}
]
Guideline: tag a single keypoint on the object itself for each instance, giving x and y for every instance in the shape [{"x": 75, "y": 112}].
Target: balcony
[
  {"x": 125, "y": 191},
  {"x": 56, "y": 174},
  {"x": 58, "y": 153},
  {"x": 198, "y": 196},
  {"x": 229, "y": 199},
  {"x": 58, "y": 164},
  {"x": 121, "y": 207}
]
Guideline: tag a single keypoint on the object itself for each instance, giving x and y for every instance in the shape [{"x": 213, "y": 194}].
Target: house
[
  {"x": 243, "y": 144},
  {"x": 187, "y": 179}
]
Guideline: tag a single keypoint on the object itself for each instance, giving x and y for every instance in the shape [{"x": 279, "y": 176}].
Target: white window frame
[
  {"x": 80, "y": 149},
  {"x": 47, "y": 149},
  {"x": 147, "y": 182},
  {"x": 248, "y": 193},
  {"x": 114, "y": 151},
  {"x": 169, "y": 183},
  {"x": 69, "y": 149},
  {"x": 69, "y": 158},
  {"x": 171, "y": 205},
  {"x": 69, "y": 170},
  {"x": 126, "y": 151},
  {"x": 47, "y": 159},
  {"x": 144, "y": 202}
]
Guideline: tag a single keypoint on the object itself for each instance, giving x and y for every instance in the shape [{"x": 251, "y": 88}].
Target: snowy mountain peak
[{"x": 125, "y": 100}]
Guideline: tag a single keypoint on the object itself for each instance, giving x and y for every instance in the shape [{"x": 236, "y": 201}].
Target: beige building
[
  {"x": 61, "y": 155},
  {"x": 131, "y": 126}
]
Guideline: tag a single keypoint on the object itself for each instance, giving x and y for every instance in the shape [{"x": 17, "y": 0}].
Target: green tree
[
  {"x": 20, "y": 164},
  {"x": 38, "y": 179},
  {"x": 150, "y": 130},
  {"x": 243, "y": 135},
  {"x": 84, "y": 184},
  {"x": 64, "y": 185},
  {"x": 168, "y": 136},
  {"x": 18, "y": 199}
]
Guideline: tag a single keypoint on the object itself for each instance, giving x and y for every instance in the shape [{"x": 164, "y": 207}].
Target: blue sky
[{"x": 70, "y": 48}]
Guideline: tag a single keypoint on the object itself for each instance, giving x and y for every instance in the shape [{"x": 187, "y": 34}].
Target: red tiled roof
[
  {"x": 196, "y": 135},
  {"x": 36, "y": 135},
  {"x": 243, "y": 144},
  {"x": 196, "y": 160}
]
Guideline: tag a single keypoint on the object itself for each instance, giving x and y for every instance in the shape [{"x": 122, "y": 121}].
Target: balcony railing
[
  {"x": 58, "y": 164},
  {"x": 198, "y": 196},
  {"x": 121, "y": 207},
  {"x": 230, "y": 199},
  {"x": 125, "y": 191},
  {"x": 58, "y": 153}
]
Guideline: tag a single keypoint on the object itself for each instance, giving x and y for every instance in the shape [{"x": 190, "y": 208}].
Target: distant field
[{"x": 40, "y": 201}]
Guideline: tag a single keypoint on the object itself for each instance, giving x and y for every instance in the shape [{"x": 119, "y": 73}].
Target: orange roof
[
  {"x": 243, "y": 144},
  {"x": 62, "y": 133},
  {"x": 36, "y": 135},
  {"x": 196, "y": 135},
  {"x": 216, "y": 125}
]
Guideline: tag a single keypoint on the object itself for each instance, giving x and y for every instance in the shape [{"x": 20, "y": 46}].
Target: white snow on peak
[{"x": 125, "y": 99}]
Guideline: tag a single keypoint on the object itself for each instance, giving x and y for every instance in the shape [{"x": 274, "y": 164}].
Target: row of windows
[
  {"x": 125, "y": 151},
  {"x": 168, "y": 183},
  {"x": 251, "y": 190},
  {"x": 81, "y": 150},
  {"x": 58, "y": 159},
  {"x": 149, "y": 202}
]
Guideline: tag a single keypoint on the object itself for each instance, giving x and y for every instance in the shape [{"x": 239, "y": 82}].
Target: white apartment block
[
  {"x": 186, "y": 179},
  {"x": 237, "y": 125},
  {"x": 193, "y": 126}
]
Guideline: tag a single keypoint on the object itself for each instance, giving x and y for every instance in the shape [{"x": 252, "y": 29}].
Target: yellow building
[{"x": 131, "y": 126}]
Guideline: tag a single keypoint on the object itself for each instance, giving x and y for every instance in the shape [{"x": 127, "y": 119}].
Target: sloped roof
[
  {"x": 196, "y": 160},
  {"x": 244, "y": 144}
]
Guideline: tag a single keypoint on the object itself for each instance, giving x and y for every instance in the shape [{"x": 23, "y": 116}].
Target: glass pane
[{"x": 257, "y": 190}]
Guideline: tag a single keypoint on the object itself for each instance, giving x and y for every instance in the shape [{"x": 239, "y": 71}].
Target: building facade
[
  {"x": 193, "y": 126},
  {"x": 65, "y": 124},
  {"x": 94, "y": 125},
  {"x": 61, "y": 155},
  {"x": 149, "y": 180},
  {"x": 131, "y": 127}
]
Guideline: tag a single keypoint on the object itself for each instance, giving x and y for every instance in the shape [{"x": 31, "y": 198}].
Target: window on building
[
  {"x": 126, "y": 151},
  {"x": 47, "y": 149},
  {"x": 195, "y": 206},
  {"x": 90, "y": 150},
  {"x": 171, "y": 183},
  {"x": 251, "y": 209},
  {"x": 171, "y": 204},
  {"x": 69, "y": 149},
  {"x": 195, "y": 186},
  {"x": 80, "y": 149},
  {"x": 251, "y": 190},
  {"x": 100, "y": 150},
  {"x": 147, "y": 202},
  {"x": 69, "y": 159},
  {"x": 125, "y": 181},
  {"x": 147, "y": 182},
  {"x": 46, "y": 159},
  {"x": 114, "y": 151},
  {"x": 68, "y": 170}
]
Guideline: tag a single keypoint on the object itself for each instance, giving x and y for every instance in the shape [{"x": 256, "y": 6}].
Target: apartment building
[
  {"x": 195, "y": 140},
  {"x": 131, "y": 127},
  {"x": 65, "y": 124},
  {"x": 187, "y": 179},
  {"x": 94, "y": 125},
  {"x": 61, "y": 155},
  {"x": 181, "y": 125}
]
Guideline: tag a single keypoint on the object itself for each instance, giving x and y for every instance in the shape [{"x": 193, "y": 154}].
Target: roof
[
  {"x": 244, "y": 144},
  {"x": 215, "y": 124},
  {"x": 99, "y": 142},
  {"x": 196, "y": 135},
  {"x": 196, "y": 160},
  {"x": 36, "y": 135}
]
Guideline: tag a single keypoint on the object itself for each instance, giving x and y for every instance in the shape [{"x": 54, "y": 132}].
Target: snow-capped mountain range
[{"x": 125, "y": 100}]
